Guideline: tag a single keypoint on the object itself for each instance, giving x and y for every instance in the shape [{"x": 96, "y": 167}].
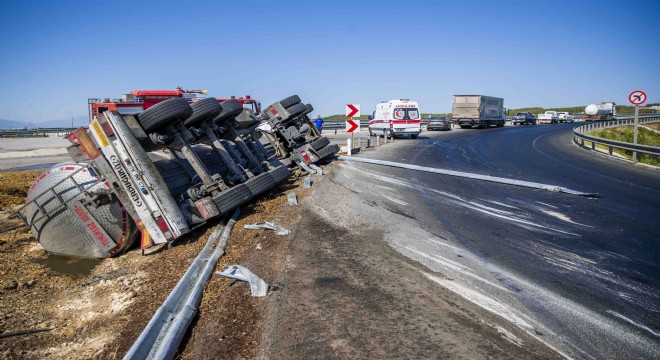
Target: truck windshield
[
  {"x": 521, "y": 114},
  {"x": 406, "y": 113}
]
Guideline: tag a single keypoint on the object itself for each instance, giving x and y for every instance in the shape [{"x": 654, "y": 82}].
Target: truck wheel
[
  {"x": 328, "y": 150},
  {"x": 296, "y": 109},
  {"x": 202, "y": 110},
  {"x": 320, "y": 143},
  {"x": 230, "y": 108},
  {"x": 309, "y": 109},
  {"x": 290, "y": 101},
  {"x": 413, "y": 136},
  {"x": 164, "y": 113}
]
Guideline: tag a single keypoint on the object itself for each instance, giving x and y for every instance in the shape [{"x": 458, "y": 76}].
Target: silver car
[{"x": 438, "y": 122}]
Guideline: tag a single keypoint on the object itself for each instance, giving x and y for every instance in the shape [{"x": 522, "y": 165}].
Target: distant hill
[
  {"x": 64, "y": 123},
  {"x": 620, "y": 109},
  {"x": 13, "y": 124}
]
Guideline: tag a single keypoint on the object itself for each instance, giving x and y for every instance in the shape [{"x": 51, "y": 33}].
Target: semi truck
[
  {"x": 478, "y": 111},
  {"x": 602, "y": 111},
  {"x": 163, "y": 168}
]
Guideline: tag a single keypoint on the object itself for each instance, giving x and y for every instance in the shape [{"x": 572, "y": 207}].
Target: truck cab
[{"x": 395, "y": 118}]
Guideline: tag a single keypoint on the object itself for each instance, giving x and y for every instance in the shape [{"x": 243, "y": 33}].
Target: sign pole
[
  {"x": 637, "y": 98},
  {"x": 635, "y": 131},
  {"x": 352, "y": 132}
]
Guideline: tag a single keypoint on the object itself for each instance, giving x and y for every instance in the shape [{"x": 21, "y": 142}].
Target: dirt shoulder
[{"x": 96, "y": 309}]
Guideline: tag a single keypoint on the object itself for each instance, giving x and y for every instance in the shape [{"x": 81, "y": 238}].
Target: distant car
[
  {"x": 438, "y": 122},
  {"x": 523, "y": 118}
]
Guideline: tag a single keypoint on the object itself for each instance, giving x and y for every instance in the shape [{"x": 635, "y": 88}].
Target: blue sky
[{"x": 56, "y": 54}]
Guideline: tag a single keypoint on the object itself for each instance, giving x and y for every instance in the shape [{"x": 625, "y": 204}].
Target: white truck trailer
[
  {"x": 602, "y": 111},
  {"x": 478, "y": 110}
]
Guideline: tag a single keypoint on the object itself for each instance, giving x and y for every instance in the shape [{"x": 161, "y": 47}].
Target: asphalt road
[{"x": 580, "y": 274}]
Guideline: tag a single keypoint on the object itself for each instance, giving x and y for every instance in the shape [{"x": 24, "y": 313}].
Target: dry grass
[{"x": 14, "y": 187}]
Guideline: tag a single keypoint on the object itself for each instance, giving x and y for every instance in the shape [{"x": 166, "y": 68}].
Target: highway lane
[{"x": 581, "y": 274}]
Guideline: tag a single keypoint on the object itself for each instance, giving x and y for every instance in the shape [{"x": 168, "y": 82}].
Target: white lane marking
[
  {"x": 460, "y": 268},
  {"x": 509, "y": 336},
  {"x": 500, "y": 204},
  {"x": 492, "y": 306},
  {"x": 395, "y": 200},
  {"x": 630, "y": 321},
  {"x": 563, "y": 217},
  {"x": 442, "y": 261},
  {"x": 443, "y": 244},
  {"x": 548, "y": 205},
  {"x": 482, "y": 300}
]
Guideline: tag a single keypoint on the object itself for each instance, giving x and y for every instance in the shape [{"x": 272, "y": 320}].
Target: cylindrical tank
[
  {"x": 591, "y": 109},
  {"x": 68, "y": 229}
]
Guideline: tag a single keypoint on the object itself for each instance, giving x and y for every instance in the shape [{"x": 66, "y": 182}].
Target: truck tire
[
  {"x": 164, "y": 113},
  {"x": 230, "y": 108},
  {"x": 413, "y": 136},
  {"x": 290, "y": 101},
  {"x": 327, "y": 151},
  {"x": 320, "y": 143},
  {"x": 296, "y": 109},
  {"x": 202, "y": 110},
  {"x": 309, "y": 109}
]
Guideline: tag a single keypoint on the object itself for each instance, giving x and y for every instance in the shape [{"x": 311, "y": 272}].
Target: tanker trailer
[{"x": 602, "y": 111}]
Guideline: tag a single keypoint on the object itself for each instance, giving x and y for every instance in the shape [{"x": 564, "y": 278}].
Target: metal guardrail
[
  {"x": 39, "y": 132},
  {"x": 580, "y": 135}
]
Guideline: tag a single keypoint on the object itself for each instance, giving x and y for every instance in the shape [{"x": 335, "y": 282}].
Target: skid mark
[
  {"x": 563, "y": 217},
  {"x": 500, "y": 204},
  {"x": 640, "y": 326},
  {"x": 548, "y": 205}
]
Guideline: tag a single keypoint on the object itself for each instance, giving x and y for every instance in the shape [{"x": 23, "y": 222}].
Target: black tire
[
  {"x": 202, "y": 110},
  {"x": 164, "y": 113},
  {"x": 290, "y": 101},
  {"x": 413, "y": 136},
  {"x": 230, "y": 108},
  {"x": 320, "y": 143},
  {"x": 309, "y": 109},
  {"x": 327, "y": 151},
  {"x": 296, "y": 110}
]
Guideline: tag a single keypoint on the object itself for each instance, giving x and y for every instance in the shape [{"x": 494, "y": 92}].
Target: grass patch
[{"x": 625, "y": 134}]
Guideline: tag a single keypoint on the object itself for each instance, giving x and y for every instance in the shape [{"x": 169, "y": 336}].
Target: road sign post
[{"x": 637, "y": 98}]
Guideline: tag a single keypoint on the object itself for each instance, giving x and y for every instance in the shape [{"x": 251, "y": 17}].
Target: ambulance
[{"x": 396, "y": 118}]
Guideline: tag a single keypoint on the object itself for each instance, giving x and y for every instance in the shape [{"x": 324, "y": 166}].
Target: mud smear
[{"x": 69, "y": 266}]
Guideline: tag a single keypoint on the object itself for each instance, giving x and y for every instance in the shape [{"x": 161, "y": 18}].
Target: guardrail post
[
  {"x": 609, "y": 148},
  {"x": 593, "y": 145},
  {"x": 360, "y": 141},
  {"x": 369, "y": 142},
  {"x": 377, "y": 140}
]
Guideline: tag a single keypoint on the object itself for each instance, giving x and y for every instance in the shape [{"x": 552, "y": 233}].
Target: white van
[{"x": 396, "y": 117}]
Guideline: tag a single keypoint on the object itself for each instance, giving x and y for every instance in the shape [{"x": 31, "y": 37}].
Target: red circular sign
[{"x": 637, "y": 97}]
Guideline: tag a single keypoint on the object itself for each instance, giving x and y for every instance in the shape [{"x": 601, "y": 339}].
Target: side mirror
[{"x": 370, "y": 117}]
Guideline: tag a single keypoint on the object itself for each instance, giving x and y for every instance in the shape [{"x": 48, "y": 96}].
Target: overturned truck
[{"x": 159, "y": 164}]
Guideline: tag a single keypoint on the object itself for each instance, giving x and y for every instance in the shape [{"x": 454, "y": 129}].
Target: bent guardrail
[{"x": 580, "y": 136}]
